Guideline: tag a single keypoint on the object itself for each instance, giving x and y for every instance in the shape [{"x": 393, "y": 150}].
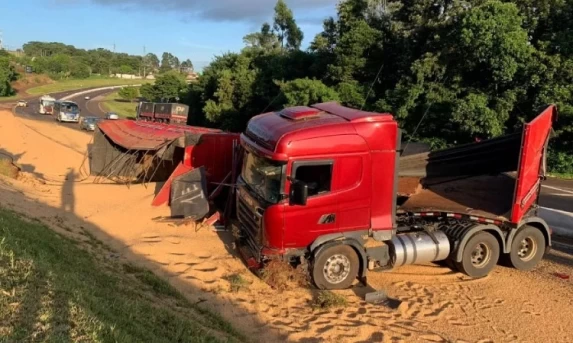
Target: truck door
[{"x": 319, "y": 216}]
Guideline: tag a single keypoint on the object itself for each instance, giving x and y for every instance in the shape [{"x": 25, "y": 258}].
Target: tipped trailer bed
[
  {"x": 496, "y": 180},
  {"x": 485, "y": 196}
]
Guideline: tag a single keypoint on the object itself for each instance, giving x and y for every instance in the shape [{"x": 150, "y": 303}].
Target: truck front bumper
[{"x": 248, "y": 256}]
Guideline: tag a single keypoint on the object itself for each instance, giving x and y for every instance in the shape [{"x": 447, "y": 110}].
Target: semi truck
[
  {"x": 326, "y": 188},
  {"x": 168, "y": 113},
  {"x": 46, "y": 104},
  {"x": 145, "y": 111}
]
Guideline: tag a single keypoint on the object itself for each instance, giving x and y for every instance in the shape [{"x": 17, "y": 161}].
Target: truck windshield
[{"x": 263, "y": 176}]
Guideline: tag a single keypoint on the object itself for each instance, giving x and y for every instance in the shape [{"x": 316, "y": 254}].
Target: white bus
[
  {"x": 66, "y": 111},
  {"x": 46, "y": 104}
]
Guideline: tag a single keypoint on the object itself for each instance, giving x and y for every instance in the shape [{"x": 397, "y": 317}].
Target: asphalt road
[
  {"x": 87, "y": 107},
  {"x": 557, "y": 194}
]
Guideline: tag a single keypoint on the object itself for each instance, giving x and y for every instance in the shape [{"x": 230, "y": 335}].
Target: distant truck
[
  {"x": 145, "y": 111},
  {"x": 327, "y": 187},
  {"x": 168, "y": 113},
  {"x": 47, "y": 104}
]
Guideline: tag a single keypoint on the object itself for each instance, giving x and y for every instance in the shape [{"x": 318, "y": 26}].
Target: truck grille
[{"x": 250, "y": 221}]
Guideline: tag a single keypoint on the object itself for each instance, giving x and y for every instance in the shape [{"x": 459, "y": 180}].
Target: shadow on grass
[{"x": 64, "y": 288}]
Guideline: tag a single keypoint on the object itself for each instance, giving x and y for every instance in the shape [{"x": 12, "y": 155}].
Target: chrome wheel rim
[
  {"x": 480, "y": 255},
  {"x": 336, "y": 269},
  {"x": 527, "y": 249}
]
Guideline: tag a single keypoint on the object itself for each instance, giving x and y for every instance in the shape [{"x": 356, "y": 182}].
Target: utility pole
[{"x": 1, "y": 42}]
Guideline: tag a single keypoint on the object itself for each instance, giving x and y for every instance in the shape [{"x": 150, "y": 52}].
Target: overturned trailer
[{"x": 190, "y": 160}]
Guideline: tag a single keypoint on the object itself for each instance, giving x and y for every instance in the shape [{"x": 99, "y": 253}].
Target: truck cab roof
[{"x": 274, "y": 131}]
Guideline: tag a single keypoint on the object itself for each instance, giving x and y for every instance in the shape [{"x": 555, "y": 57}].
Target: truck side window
[{"x": 317, "y": 177}]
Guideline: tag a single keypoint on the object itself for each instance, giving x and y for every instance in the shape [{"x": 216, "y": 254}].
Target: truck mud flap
[{"x": 189, "y": 195}]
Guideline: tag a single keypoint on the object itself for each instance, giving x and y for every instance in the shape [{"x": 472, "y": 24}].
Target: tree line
[
  {"x": 62, "y": 61},
  {"x": 451, "y": 71},
  {"x": 7, "y": 74}
]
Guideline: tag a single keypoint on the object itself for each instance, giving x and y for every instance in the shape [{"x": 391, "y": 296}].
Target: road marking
[{"x": 558, "y": 189}]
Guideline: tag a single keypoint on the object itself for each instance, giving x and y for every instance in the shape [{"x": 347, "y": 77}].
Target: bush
[
  {"x": 560, "y": 162},
  {"x": 128, "y": 93}
]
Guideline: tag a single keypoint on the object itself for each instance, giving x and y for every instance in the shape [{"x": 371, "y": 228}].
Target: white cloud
[{"x": 219, "y": 10}]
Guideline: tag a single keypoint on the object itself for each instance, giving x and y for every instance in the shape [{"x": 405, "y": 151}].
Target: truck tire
[
  {"x": 335, "y": 267},
  {"x": 527, "y": 248},
  {"x": 480, "y": 255}
]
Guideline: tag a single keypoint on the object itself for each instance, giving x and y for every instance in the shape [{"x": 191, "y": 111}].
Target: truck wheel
[
  {"x": 527, "y": 248},
  {"x": 335, "y": 267},
  {"x": 480, "y": 255}
]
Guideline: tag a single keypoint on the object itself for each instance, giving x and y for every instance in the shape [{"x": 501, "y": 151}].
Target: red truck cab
[{"x": 319, "y": 185}]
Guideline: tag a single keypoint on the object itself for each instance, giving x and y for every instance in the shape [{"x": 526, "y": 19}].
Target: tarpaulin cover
[{"x": 140, "y": 135}]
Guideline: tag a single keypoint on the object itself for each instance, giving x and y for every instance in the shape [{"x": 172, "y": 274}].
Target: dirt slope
[{"x": 429, "y": 303}]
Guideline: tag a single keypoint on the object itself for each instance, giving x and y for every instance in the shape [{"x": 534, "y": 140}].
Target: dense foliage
[
  {"x": 466, "y": 70},
  {"x": 128, "y": 93},
  {"x": 64, "y": 61},
  {"x": 7, "y": 74},
  {"x": 167, "y": 87}
]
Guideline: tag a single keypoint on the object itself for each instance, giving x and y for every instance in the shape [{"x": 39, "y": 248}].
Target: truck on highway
[
  {"x": 168, "y": 113},
  {"x": 145, "y": 111},
  {"x": 46, "y": 104},
  {"x": 325, "y": 187},
  {"x": 66, "y": 111}
]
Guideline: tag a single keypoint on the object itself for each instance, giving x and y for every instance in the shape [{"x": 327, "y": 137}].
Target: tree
[
  {"x": 151, "y": 61},
  {"x": 467, "y": 69},
  {"x": 168, "y": 62},
  {"x": 7, "y": 75},
  {"x": 289, "y": 34},
  {"x": 128, "y": 93},
  {"x": 62, "y": 61},
  {"x": 125, "y": 69},
  {"x": 306, "y": 92},
  {"x": 265, "y": 39},
  {"x": 79, "y": 70},
  {"x": 187, "y": 64},
  {"x": 167, "y": 87}
]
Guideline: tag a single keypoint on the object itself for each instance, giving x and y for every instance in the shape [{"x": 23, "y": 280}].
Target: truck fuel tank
[{"x": 418, "y": 247}]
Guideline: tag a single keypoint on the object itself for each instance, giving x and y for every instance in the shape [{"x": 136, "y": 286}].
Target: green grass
[
  {"x": 567, "y": 176},
  {"x": 66, "y": 85},
  {"x": 10, "y": 98},
  {"x": 328, "y": 300},
  {"x": 51, "y": 290},
  {"x": 237, "y": 282},
  {"x": 113, "y": 103}
]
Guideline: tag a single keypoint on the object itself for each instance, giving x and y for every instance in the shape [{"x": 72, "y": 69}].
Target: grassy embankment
[
  {"x": 66, "y": 85},
  {"x": 113, "y": 103},
  {"x": 53, "y": 290},
  {"x": 566, "y": 176}
]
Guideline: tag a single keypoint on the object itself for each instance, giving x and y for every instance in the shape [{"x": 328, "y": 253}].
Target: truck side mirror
[{"x": 298, "y": 193}]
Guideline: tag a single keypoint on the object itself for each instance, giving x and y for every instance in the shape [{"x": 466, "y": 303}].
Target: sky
[{"x": 194, "y": 29}]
